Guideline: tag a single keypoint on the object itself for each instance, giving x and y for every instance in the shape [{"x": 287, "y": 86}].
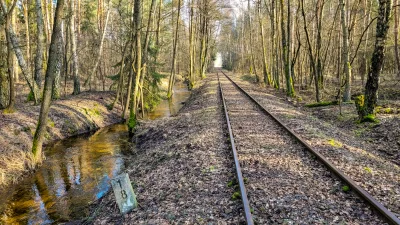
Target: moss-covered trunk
[{"x": 366, "y": 107}]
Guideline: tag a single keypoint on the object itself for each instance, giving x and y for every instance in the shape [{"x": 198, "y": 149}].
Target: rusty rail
[
  {"x": 243, "y": 192},
  {"x": 389, "y": 216}
]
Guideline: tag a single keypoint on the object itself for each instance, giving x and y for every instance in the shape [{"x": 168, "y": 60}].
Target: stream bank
[
  {"x": 68, "y": 117},
  {"x": 76, "y": 172}
]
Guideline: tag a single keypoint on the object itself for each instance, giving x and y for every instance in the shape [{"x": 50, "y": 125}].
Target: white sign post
[{"x": 123, "y": 192}]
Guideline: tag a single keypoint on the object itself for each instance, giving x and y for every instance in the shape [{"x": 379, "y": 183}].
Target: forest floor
[
  {"x": 181, "y": 166},
  {"x": 69, "y": 116}
]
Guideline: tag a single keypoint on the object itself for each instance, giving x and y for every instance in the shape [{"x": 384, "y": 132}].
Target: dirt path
[
  {"x": 71, "y": 116},
  {"x": 181, "y": 168}
]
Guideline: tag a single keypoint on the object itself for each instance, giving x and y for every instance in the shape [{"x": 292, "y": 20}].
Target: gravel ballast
[
  {"x": 286, "y": 184},
  {"x": 376, "y": 174}
]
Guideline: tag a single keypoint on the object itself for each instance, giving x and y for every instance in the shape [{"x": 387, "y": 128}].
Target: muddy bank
[
  {"x": 68, "y": 117},
  {"x": 180, "y": 168}
]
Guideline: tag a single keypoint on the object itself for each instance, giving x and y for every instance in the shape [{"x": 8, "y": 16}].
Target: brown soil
[
  {"x": 70, "y": 116},
  {"x": 180, "y": 167}
]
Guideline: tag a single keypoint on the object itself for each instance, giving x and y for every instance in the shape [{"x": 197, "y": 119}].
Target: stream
[{"x": 76, "y": 172}]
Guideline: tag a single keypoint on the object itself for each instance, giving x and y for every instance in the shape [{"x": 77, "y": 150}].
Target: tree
[
  {"x": 366, "y": 104},
  {"x": 17, "y": 49},
  {"x": 138, "y": 64},
  {"x": 55, "y": 55},
  {"x": 266, "y": 75},
  {"x": 345, "y": 53},
  {"x": 75, "y": 62},
  {"x": 101, "y": 46},
  {"x": 191, "y": 46},
  {"x": 40, "y": 44},
  {"x": 396, "y": 36},
  {"x": 175, "y": 42}
]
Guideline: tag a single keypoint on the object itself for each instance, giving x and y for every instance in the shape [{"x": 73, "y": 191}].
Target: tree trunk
[
  {"x": 18, "y": 52},
  {"x": 53, "y": 68},
  {"x": 121, "y": 77},
  {"x": 266, "y": 75},
  {"x": 310, "y": 54},
  {"x": 191, "y": 47},
  {"x": 92, "y": 74},
  {"x": 172, "y": 74},
  {"x": 25, "y": 7},
  {"x": 138, "y": 67},
  {"x": 396, "y": 36},
  {"x": 346, "y": 61},
  {"x": 75, "y": 62},
  {"x": 4, "y": 85},
  {"x": 40, "y": 44},
  {"x": 366, "y": 104}
]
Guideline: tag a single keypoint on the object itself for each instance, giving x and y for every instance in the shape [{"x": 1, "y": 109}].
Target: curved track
[{"x": 286, "y": 184}]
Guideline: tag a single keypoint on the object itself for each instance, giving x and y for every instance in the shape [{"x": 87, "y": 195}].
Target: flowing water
[
  {"x": 170, "y": 107},
  {"x": 76, "y": 172}
]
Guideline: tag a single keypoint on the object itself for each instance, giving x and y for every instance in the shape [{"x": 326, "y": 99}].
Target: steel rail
[
  {"x": 364, "y": 194},
  {"x": 243, "y": 192}
]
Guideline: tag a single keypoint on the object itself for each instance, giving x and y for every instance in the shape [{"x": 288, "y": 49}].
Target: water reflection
[
  {"x": 76, "y": 172},
  {"x": 171, "y": 107}
]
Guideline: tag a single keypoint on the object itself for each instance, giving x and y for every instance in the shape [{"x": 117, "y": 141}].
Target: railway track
[{"x": 287, "y": 181}]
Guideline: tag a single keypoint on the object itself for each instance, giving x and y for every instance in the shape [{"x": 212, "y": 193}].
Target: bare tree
[{"x": 55, "y": 55}]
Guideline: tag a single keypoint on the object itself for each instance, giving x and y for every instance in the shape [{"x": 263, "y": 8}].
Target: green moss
[
  {"x": 249, "y": 78},
  {"x": 389, "y": 111},
  {"x": 369, "y": 118},
  {"x": 345, "y": 188},
  {"x": 212, "y": 168},
  {"x": 334, "y": 143},
  {"x": 232, "y": 183},
  {"x": 367, "y": 169},
  {"x": 8, "y": 111},
  {"x": 132, "y": 123},
  {"x": 30, "y": 97},
  {"x": 109, "y": 106},
  {"x": 378, "y": 109},
  {"x": 321, "y": 104},
  {"x": 299, "y": 99},
  {"x": 236, "y": 195},
  {"x": 92, "y": 112},
  {"x": 359, "y": 100},
  {"x": 51, "y": 123}
]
